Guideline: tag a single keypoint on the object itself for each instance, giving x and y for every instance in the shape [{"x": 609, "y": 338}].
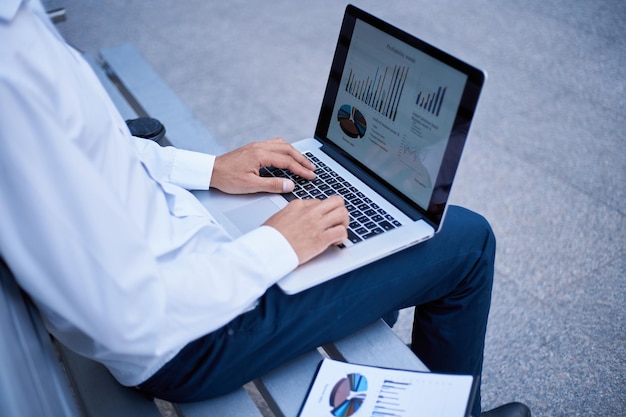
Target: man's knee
[{"x": 471, "y": 226}]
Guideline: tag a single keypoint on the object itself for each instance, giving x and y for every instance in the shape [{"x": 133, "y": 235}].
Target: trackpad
[{"x": 250, "y": 216}]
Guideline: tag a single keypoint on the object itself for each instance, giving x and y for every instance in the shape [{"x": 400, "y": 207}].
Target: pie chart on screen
[
  {"x": 348, "y": 395},
  {"x": 351, "y": 121}
]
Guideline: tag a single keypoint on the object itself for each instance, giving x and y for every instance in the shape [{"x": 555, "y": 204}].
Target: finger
[
  {"x": 301, "y": 159},
  {"x": 336, "y": 235},
  {"x": 283, "y": 155},
  {"x": 333, "y": 202},
  {"x": 272, "y": 185},
  {"x": 338, "y": 217},
  {"x": 332, "y": 212}
]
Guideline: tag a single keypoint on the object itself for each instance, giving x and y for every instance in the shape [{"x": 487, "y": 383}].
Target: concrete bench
[{"x": 40, "y": 377}]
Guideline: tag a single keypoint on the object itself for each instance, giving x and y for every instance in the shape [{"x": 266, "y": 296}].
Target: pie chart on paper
[
  {"x": 351, "y": 121},
  {"x": 348, "y": 395}
]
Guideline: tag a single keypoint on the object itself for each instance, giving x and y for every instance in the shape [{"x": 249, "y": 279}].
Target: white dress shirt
[{"x": 126, "y": 266}]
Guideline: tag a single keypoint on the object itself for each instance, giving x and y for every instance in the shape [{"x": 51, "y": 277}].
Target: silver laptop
[{"x": 391, "y": 129}]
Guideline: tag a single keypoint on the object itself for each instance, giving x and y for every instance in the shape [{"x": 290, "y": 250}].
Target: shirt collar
[{"x": 8, "y": 9}]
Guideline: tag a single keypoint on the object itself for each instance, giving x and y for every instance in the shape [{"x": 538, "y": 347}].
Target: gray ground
[{"x": 544, "y": 163}]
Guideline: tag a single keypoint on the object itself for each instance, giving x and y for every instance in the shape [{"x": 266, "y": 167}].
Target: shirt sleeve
[{"x": 187, "y": 169}]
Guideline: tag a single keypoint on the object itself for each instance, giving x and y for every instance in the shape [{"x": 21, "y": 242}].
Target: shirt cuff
[
  {"x": 192, "y": 170},
  {"x": 274, "y": 255}
]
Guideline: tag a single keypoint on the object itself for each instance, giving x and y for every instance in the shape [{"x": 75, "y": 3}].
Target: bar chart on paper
[
  {"x": 390, "y": 399},
  {"x": 381, "y": 90}
]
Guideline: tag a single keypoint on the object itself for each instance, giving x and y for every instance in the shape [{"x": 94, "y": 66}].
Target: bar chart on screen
[
  {"x": 380, "y": 90},
  {"x": 431, "y": 101}
]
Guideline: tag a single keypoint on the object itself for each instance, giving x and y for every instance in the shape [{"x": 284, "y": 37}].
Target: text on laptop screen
[{"x": 395, "y": 109}]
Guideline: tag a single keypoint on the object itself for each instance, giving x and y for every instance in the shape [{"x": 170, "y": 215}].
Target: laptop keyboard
[{"x": 367, "y": 219}]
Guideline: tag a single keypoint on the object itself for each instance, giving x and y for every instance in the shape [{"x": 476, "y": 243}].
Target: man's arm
[
  {"x": 235, "y": 172},
  {"x": 187, "y": 169},
  {"x": 309, "y": 226}
]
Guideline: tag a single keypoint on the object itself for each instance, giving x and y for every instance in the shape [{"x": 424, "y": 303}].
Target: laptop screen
[{"x": 393, "y": 106}]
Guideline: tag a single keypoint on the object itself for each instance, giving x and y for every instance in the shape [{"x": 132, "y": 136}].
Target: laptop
[{"x": 392, "y": 126}]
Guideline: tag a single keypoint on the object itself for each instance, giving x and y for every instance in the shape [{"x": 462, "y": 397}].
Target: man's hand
[
  {"x": 311, "y": 226},
  {"x": 237, "y": 172}
]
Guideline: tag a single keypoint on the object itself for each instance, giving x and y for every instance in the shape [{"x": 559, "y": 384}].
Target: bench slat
[
  {"x": 114, "y": 93},
  {"x": 183, "y": 130},
  {"x": 235, "y": 404},
  {"x": 376, "y": 345},
  {"x": 285, "y": 388},
  {"x": 101, "y": 395},
  {"x": 32, "y": 382},
  {"x": 54, "y": 9}
]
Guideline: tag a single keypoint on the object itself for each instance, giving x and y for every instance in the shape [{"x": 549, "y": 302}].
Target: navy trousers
[{"x": 448, "y": 279}]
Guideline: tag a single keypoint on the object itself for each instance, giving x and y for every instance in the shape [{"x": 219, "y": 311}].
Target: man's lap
[{"x": 283, "y": 326}]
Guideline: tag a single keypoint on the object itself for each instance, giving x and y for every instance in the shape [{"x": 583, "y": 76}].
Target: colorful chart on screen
[
  {"x": 348, "y": 395},
  {"x": 351, "y": 121}
]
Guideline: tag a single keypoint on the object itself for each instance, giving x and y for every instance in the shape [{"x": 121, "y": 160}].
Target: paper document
[{"x": 342, "y": 390}]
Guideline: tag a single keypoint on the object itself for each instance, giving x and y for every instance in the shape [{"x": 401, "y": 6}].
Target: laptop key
[
  {"x": 352, "y": 237},
  {"x": 374, "y": 232},
  {"x": 386, "y": 225},
  {"x": 377, "y": 218},
  {"x": 361, "y": 231}
]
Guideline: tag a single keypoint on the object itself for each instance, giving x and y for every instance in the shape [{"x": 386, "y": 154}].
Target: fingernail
[{"x": 288, "y": 186}]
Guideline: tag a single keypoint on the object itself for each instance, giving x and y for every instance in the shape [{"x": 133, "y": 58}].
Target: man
[{"x": 129, "y": 269}]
